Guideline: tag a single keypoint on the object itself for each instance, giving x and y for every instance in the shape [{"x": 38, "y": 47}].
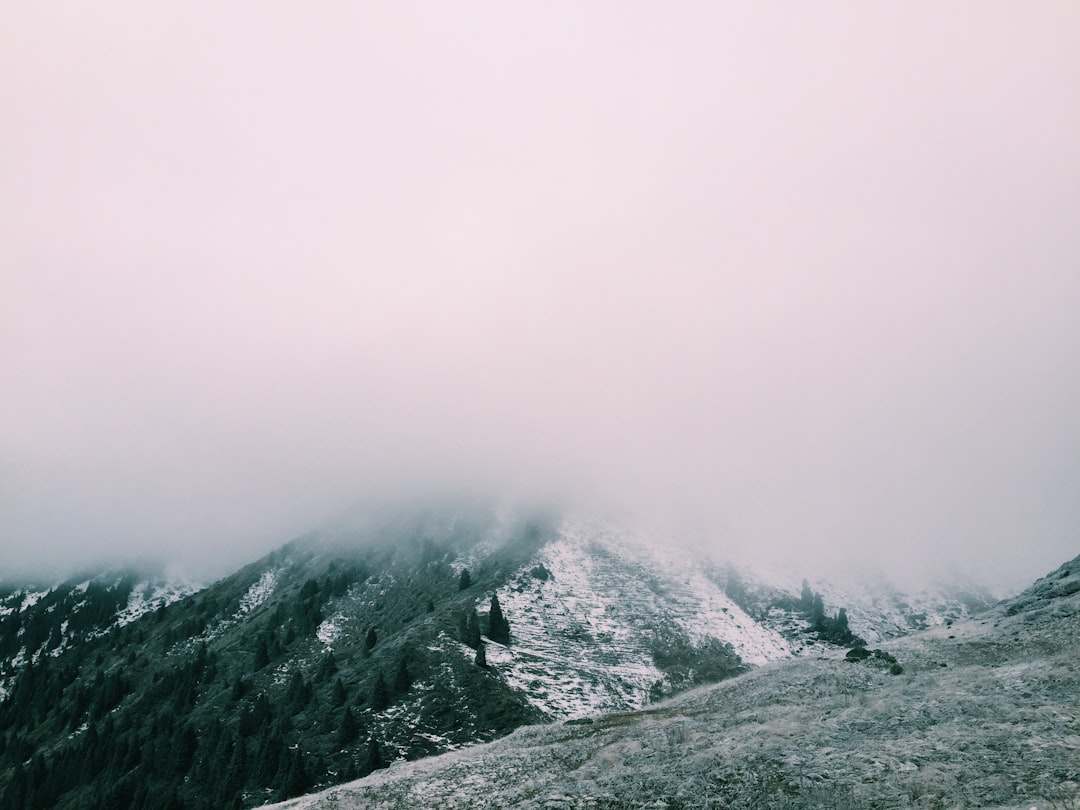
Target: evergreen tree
[
  {"x": 349, "y": 728},
  {"x": 817, "y": 613},
  {"x": 402, "y": 678},
  {"x": 239, "y": 687},
  {"x": 297, "y": 781},
  {"x": 327, "y": 668},
  {"x": 374, "y": 755},
  {"x": 262, "y": 655},
  {"x": 340, "y": 695},
  {"x": 498, "y": 626},
  {"x": 481, "y": 656},
  {"x": 806, "y": 599},
  {"x": 380, "y": 699},
  {"x": 470, "y": 630},
  {"x": 236, "y": 773},
  {"x": 465, "y": 580},
  {"x": 299, "y": 692},
  {"x": 370, "y": 640},
  {"x": 267, "y": 758}
]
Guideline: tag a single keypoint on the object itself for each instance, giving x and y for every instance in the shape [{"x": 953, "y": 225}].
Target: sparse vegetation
[
  {"x": 995, "y": 728},
  {"x": 285, "y": 677}
]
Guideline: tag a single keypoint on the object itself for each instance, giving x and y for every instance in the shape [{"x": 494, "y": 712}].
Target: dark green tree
[
  {"x": 349, "y": 728},
  {"x": 339, "y": 694},
  {"x": 297, "y": 780},
  {"x": 262, "y": 654},
  {"x": 370, "y": 639},
  {"x": 298, "y": 693},
  {"x": 374, "y": 755},
  {"x": 498, "y": 626},
  {"x": 806, "y": 598},
  {"x": 380, "y": 698},
  {"x": 481, "y": 656},
  {"x": 842, "y": 621},
  {"x": 402, "y": 678},
  {"x": 817, "y": 613},
  {"x": 474, "y": 628},
  {"x": 327, "y": 668},
  {"x": 465, "y": 580}
]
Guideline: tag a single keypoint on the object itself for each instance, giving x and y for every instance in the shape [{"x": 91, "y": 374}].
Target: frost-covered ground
[
  {"x": 150, "y": 595},
  {"x": 587, "y": 610},
  {"x": 258, "y": 593},
  {"x": 984, "y": 715},
  {"x": 879, "y": 606}
]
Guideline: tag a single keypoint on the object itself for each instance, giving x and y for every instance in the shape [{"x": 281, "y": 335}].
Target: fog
[{"x": 796, "y": 279}]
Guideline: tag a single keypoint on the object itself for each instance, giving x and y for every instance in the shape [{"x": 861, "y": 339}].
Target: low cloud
[{"x": 804, "y": 284}]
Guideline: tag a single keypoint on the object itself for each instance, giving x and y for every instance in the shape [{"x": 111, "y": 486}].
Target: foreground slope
[{"x": 983, "y": 714}]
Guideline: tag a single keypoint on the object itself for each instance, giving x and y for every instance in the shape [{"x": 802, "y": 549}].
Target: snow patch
[
  {"x": 149, "y": 596},
  {"x": 258, "y": 593},
  {"x": 584, "y": 621},
  {"x": 32, "y": 598},
  {"x": 328, "y": 632}
]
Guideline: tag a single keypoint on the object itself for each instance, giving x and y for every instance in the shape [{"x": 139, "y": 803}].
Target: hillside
[
  {"x": 374, "y": 642},
  {"x": 982, "y": 713}
]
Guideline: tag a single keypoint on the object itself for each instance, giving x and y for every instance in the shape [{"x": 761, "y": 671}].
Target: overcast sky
[{"x": 805, "y": 276}]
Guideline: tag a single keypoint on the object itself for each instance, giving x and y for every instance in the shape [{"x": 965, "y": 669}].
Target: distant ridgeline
[
  {"x": 333, "y": 657},
  {"x": 256, "y": 688}
]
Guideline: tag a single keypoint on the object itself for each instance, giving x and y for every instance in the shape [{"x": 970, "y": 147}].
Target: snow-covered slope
[
  {"x": 590, "y": 610},
  {"x": 982, "y": 714},
  {"x": 38, "y": 619},
  {"x": 878, "y": 607}
]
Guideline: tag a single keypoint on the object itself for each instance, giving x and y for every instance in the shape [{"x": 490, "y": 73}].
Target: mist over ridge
[{"x": 800, "y": 286}]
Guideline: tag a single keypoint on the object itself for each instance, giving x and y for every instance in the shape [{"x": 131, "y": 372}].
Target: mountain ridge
[
  {"x": 342, "y": 652},
  {"x": 982, "y": 713}
]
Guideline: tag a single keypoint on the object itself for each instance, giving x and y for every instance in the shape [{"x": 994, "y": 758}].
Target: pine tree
[
  {"x": 498, "y": 626},
  {"x": 327, "y": 668},
  {"x": 402, "y": 679},
  {"x": 817, "y": 613},
  {"x": 262, "y": 654},
  {"x": 465, "y": 580},
  {"x": 370, "y": 640},
  {"x": 296, "y": 778},
  {"x": 806, "y": 599},
  {"x": 374, "y": 756},
  {"x": 298, "y": 693},
  {"x": 349, "y": 729},
  {"x": 481, "y": 656},
  {"x": 340, "y": 695},
  {"x": 470, "y": 633},
  {"x": 236, "y": 773},
  {"x": 267, "y": 758},
  {"x": 380, "y": 699}
]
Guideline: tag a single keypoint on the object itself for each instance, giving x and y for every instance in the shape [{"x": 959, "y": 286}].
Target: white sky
[{"x": 804, "y": 275}]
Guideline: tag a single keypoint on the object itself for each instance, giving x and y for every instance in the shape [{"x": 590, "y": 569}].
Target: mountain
[
  {"x": 39, "y": 619},
  {"x": 380, "y": 641},
  {"x": 978, "y": 713}
]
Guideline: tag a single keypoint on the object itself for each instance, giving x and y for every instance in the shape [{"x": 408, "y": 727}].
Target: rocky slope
[
  {"x": 982, "y": 713},
  {"x": 357, "y": 647}
]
